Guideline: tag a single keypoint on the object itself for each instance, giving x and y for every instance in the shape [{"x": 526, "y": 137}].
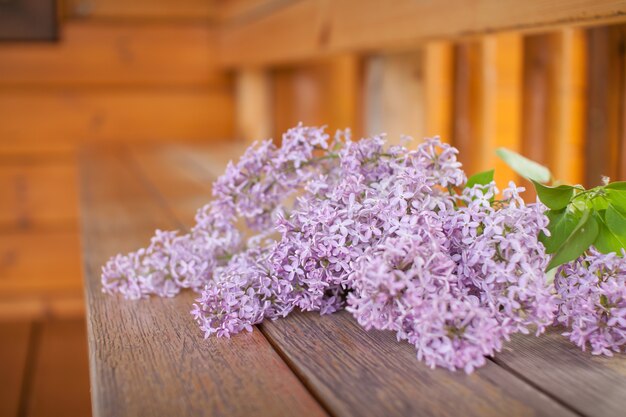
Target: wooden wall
[{"x": 122, "y": 72}]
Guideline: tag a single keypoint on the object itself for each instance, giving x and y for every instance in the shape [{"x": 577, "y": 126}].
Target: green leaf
[
  {"x": 617, "y": 185},
  {"x": 617, "y": 198},
  {"x": 481, "y": 178},
  {"x": 615, "y": 220},
  {"x": 607, "y": 241},
  {"x": 555, "y": 198},
  {"x": 562, "y": 224},
  {"x": 577, "y": 242},
  {"x": 524, "y": 166}
]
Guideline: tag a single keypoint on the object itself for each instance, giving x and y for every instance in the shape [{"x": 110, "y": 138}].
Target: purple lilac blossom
[
  {"x": 592, "y": 304},
  {"x": 384, "y": 231}
]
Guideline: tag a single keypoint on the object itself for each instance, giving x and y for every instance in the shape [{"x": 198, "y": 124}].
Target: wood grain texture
[
  {"x": 14, "y": 341},
  {"x": 467, "y": 103},
  {"x": 116, "y": 54},
  {"x": 40, "y": 264},
  {"x": 61, "y": 355},
  {"x": 361, "y": 373},
  {"x": 39, "y": 194},
  {"x": 148, "y": 357},
  {"x": 603, "y": 125},
  {"x": 310, "y": 28},
  {"x": 185, "y": 185},
  {"x": 67, "y": 118},
  {"x": 591, "y": 385},
  {"x": 70, "y": 305},
  {"x": 142, "y": 9}
]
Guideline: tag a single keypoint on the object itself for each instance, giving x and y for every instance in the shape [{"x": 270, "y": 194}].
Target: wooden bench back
[{"x": 545, "y": 78}]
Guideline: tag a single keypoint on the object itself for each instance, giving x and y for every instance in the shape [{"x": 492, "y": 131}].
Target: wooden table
[{"x": 149, "y": 358}]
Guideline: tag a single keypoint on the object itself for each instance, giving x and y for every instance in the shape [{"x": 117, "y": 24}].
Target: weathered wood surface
[
  {"x": 149, "y": 356},
  {"x": 303, "y": 29}
]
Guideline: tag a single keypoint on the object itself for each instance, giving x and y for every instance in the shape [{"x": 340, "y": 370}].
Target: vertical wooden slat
[
  {"x": 535, "y": 98},
  {"x": 325, "y": 92},
  {"x": 467, "y": 103},
  {"x": 62, "y": 353},
  {"x": 501, "y": 90},
  {"x": 566, "y": 129},
  {"x": 14, "y": 341},
  {"x": 343, "y": 93},
  {"x": 395, "y": 95},
  {"x": 605, "y": 80},
  {"x": 554, "y": 102},
  {"x": 253, "y": 103},
  {"x": 438, "y": 78}
]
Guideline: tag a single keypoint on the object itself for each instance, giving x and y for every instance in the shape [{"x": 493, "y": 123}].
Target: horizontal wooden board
[
  {"x": 39, "y": 263},
  {"x": 42, "y": 306},
  {"x": 139, "y": 364},
  {"x": 369, "y": 373},
  {"x": 308, "y": 28},
  {"x": 60, "y": 377},
  {"x": 592, "y": 385},
  {"x": 241, "y": 10},
  {"x": 39, "y": 194},
  {"x": 93, "y": 53},
  {"x": 60, "y": 120},
  {"x": 354, "y": 372},
  {"x": 141, "y": 9},
  {"x": 15, "y": 337}
]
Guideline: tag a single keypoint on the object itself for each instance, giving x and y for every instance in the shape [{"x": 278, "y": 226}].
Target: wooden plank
[
  {"x": 67, "y": 118},
  {"x": 355, "y": 373},
  {"x": 253, "y": 100},
  {"x": 323, "y": 92},
  {"x": 566, "y": 135},
  {"x": 60, "y": 380},
  {"x": 42, "y": 307},
  {"x": 438, "y": 85},
  {"x": 39, "y": 263},
  {"x": 242, "y": 10},
  {"x": 185, "y": 184},
  {"x": 591, "y": 385},
  {"x": 140, "y": 366},
  {"x": 605, "y": 76},
  {"x": 114, "y": 54},
  {"x": 358, "y": 373},
  {"x": 502, "y": 99},
  {"x": 310, "y": 28},
  {"x": 395, "y": 96},
  {"x": 15, "y": 338},
  {"x": 142, "y": 9},
  {"x": 38, "y": 194},
  {"x": 467, "y": 103}
]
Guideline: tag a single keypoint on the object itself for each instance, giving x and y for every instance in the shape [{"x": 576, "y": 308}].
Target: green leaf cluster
[{"x": 579, "y": 218}]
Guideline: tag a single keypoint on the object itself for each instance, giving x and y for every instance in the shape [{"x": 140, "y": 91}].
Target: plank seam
[
  {"x": 34, "y": 340},
  {"x": 162, "y": 201},
  {"x": 296, "y": 371},
  {"x": 535, "y": 386}
]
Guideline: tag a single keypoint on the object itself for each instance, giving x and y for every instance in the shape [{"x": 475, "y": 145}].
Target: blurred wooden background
[{"x": 544, "y": 77}]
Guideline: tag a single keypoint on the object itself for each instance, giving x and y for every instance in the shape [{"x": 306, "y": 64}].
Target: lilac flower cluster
[
  {"x": 389, "y": 233},
  {"x": 592, "y": 301}
]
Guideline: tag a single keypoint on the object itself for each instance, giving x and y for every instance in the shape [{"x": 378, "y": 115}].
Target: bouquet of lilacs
[{"x": 399, "y": 237}]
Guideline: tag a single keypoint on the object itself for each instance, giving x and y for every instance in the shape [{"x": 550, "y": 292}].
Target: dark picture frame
[{"x": 28, "y": 20}]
